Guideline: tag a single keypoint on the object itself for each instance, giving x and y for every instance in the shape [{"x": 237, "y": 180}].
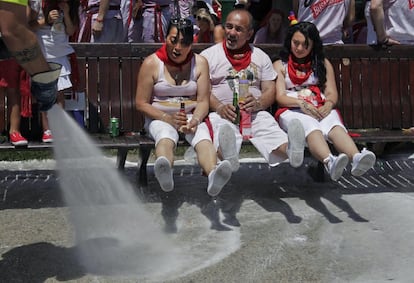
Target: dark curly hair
[{"x": 310, "y": 31}]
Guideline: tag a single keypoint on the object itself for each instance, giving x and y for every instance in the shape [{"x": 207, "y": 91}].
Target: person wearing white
[
  {"x": 173, "y": 94},
  {"x": 371, "y": 36},
  {"x": 306, "y": 91},
  {"x": 233, "y": 58},
  {"x": 330, "y": 17},
  {"x": 393, "y": 21},
  {"x": 53, "y": 31}
]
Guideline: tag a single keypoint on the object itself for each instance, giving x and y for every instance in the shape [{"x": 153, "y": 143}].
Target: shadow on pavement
[
  {"x": 267, "y": 186},
  {"x": 38, "y": 262}
]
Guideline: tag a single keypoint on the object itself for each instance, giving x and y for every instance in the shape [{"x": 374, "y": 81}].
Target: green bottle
[{"x": 236, "y": 105}]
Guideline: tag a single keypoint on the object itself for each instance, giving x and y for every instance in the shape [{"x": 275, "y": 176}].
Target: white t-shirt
[
  {"x": 399, "y": 20},
  {"x": 260, "y": 69},
  {"x": 327, "y": 15}
]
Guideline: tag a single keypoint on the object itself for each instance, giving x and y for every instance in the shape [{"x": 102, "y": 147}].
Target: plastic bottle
[
  {"x": 246, "y": 124},
  {"x": 245, "y": 117}
]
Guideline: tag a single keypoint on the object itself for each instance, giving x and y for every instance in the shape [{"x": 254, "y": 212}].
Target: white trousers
[
  {"x": 267, "y": 135},
  {"x": 160, "y": 130},
  {"x": 311, "y": 124}
]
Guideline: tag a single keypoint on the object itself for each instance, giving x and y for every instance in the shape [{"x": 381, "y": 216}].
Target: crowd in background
[{"x": 146, "y": 20}]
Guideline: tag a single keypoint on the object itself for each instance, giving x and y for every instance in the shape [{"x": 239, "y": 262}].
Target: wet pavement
[{"x": 268, "y": 225}]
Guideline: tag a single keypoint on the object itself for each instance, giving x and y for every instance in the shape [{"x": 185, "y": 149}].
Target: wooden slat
[
  {"x": 366, "y": 93},
  {"x": 126, "y": 94},
  {"x": 138, "y": 116},
  {"x": 410, "y": 95},
  {"x": 3, "y": 111},
  {"x": 385, "y": 97},
  {"x": 93, "y": 94},
  {"x": 359, "y": 113},
  {"x": 372, "y": 81},
  {"x": 405, "y": 99},
  {"x": 394, "y": 93},
  {"x": 347, "y": 109}
]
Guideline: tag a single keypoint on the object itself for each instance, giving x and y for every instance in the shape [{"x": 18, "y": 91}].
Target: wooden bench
[{"x": 376, "y": 90}]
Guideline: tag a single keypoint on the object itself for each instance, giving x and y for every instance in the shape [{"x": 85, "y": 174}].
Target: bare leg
[
  {"x": 206, "y": 154},
  {"x": 44, "y": 119},
  {"x": 317, "y": 145},
  {"x": 165, "y": 147},
  {"x": 163, "y": 165},
  {"x": 281, "y": 151},
  {"x": 13, "y": 98},
  {"x": 343, "y": 142},
  {"x": 218, "y": 174}
]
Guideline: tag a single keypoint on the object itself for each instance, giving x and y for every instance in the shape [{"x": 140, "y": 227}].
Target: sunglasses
[{"x": 181, "y": 23}]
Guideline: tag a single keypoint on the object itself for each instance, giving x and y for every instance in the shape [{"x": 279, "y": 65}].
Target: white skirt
[{"x": 64, "y": 81}]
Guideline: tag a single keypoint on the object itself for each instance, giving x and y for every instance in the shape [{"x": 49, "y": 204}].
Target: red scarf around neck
[
  {"x": 293, "y": 67},
  {"x": 306, "y": 69},
  {"x": 163, "y": 55},
  {"x": 240, "y": 59}
]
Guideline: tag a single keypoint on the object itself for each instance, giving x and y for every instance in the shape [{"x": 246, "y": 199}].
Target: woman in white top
[{"x": 306, "y": 90}]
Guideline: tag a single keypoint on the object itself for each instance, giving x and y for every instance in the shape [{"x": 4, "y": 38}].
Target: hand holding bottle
[{"x": 249, "y": 104}]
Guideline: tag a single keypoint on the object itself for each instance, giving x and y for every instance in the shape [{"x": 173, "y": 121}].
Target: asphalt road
[{"x": 292, "y": 229}]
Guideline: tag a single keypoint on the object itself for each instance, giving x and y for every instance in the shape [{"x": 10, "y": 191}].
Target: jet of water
[{"x": 114, "y": 233}]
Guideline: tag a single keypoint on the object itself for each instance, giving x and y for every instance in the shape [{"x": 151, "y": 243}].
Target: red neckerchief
[
  {"x": 305, "y": 68},
  {"x": 162, "y": 54},
  {"x": 240, "y": 59}
]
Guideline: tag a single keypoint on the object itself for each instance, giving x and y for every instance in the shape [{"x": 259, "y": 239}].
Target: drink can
[{"x": 114, "y": 127}]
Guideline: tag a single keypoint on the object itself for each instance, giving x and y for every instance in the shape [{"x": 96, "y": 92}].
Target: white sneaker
[
  {"x": 219, "y": 177},
  {"x": 335, "y": 165},
  {"x": 362, "y": 162},
  {"x": 227, "y": 144},
  {"x": 296, "y": 144},
  {"x": 164, "y": 174}
]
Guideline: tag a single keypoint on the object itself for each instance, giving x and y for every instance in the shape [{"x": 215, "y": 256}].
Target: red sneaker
[
  {"x": 47, "y": 136},
  {"x": 17, "y": 139}
]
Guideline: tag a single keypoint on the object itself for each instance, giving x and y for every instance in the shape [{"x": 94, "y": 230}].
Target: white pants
[
  {"x": 311, "y": 124},
  {"x": 267, "y": 135},
  {"x": 160, "y": 130}
]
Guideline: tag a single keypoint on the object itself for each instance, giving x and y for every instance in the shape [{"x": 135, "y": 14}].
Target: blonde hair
[{"x": 204, "y": 14}]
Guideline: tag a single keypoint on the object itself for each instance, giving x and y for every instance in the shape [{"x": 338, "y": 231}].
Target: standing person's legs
[
  {"x": 64, "y": 83},
  {"x": 13, "y": 98}
]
